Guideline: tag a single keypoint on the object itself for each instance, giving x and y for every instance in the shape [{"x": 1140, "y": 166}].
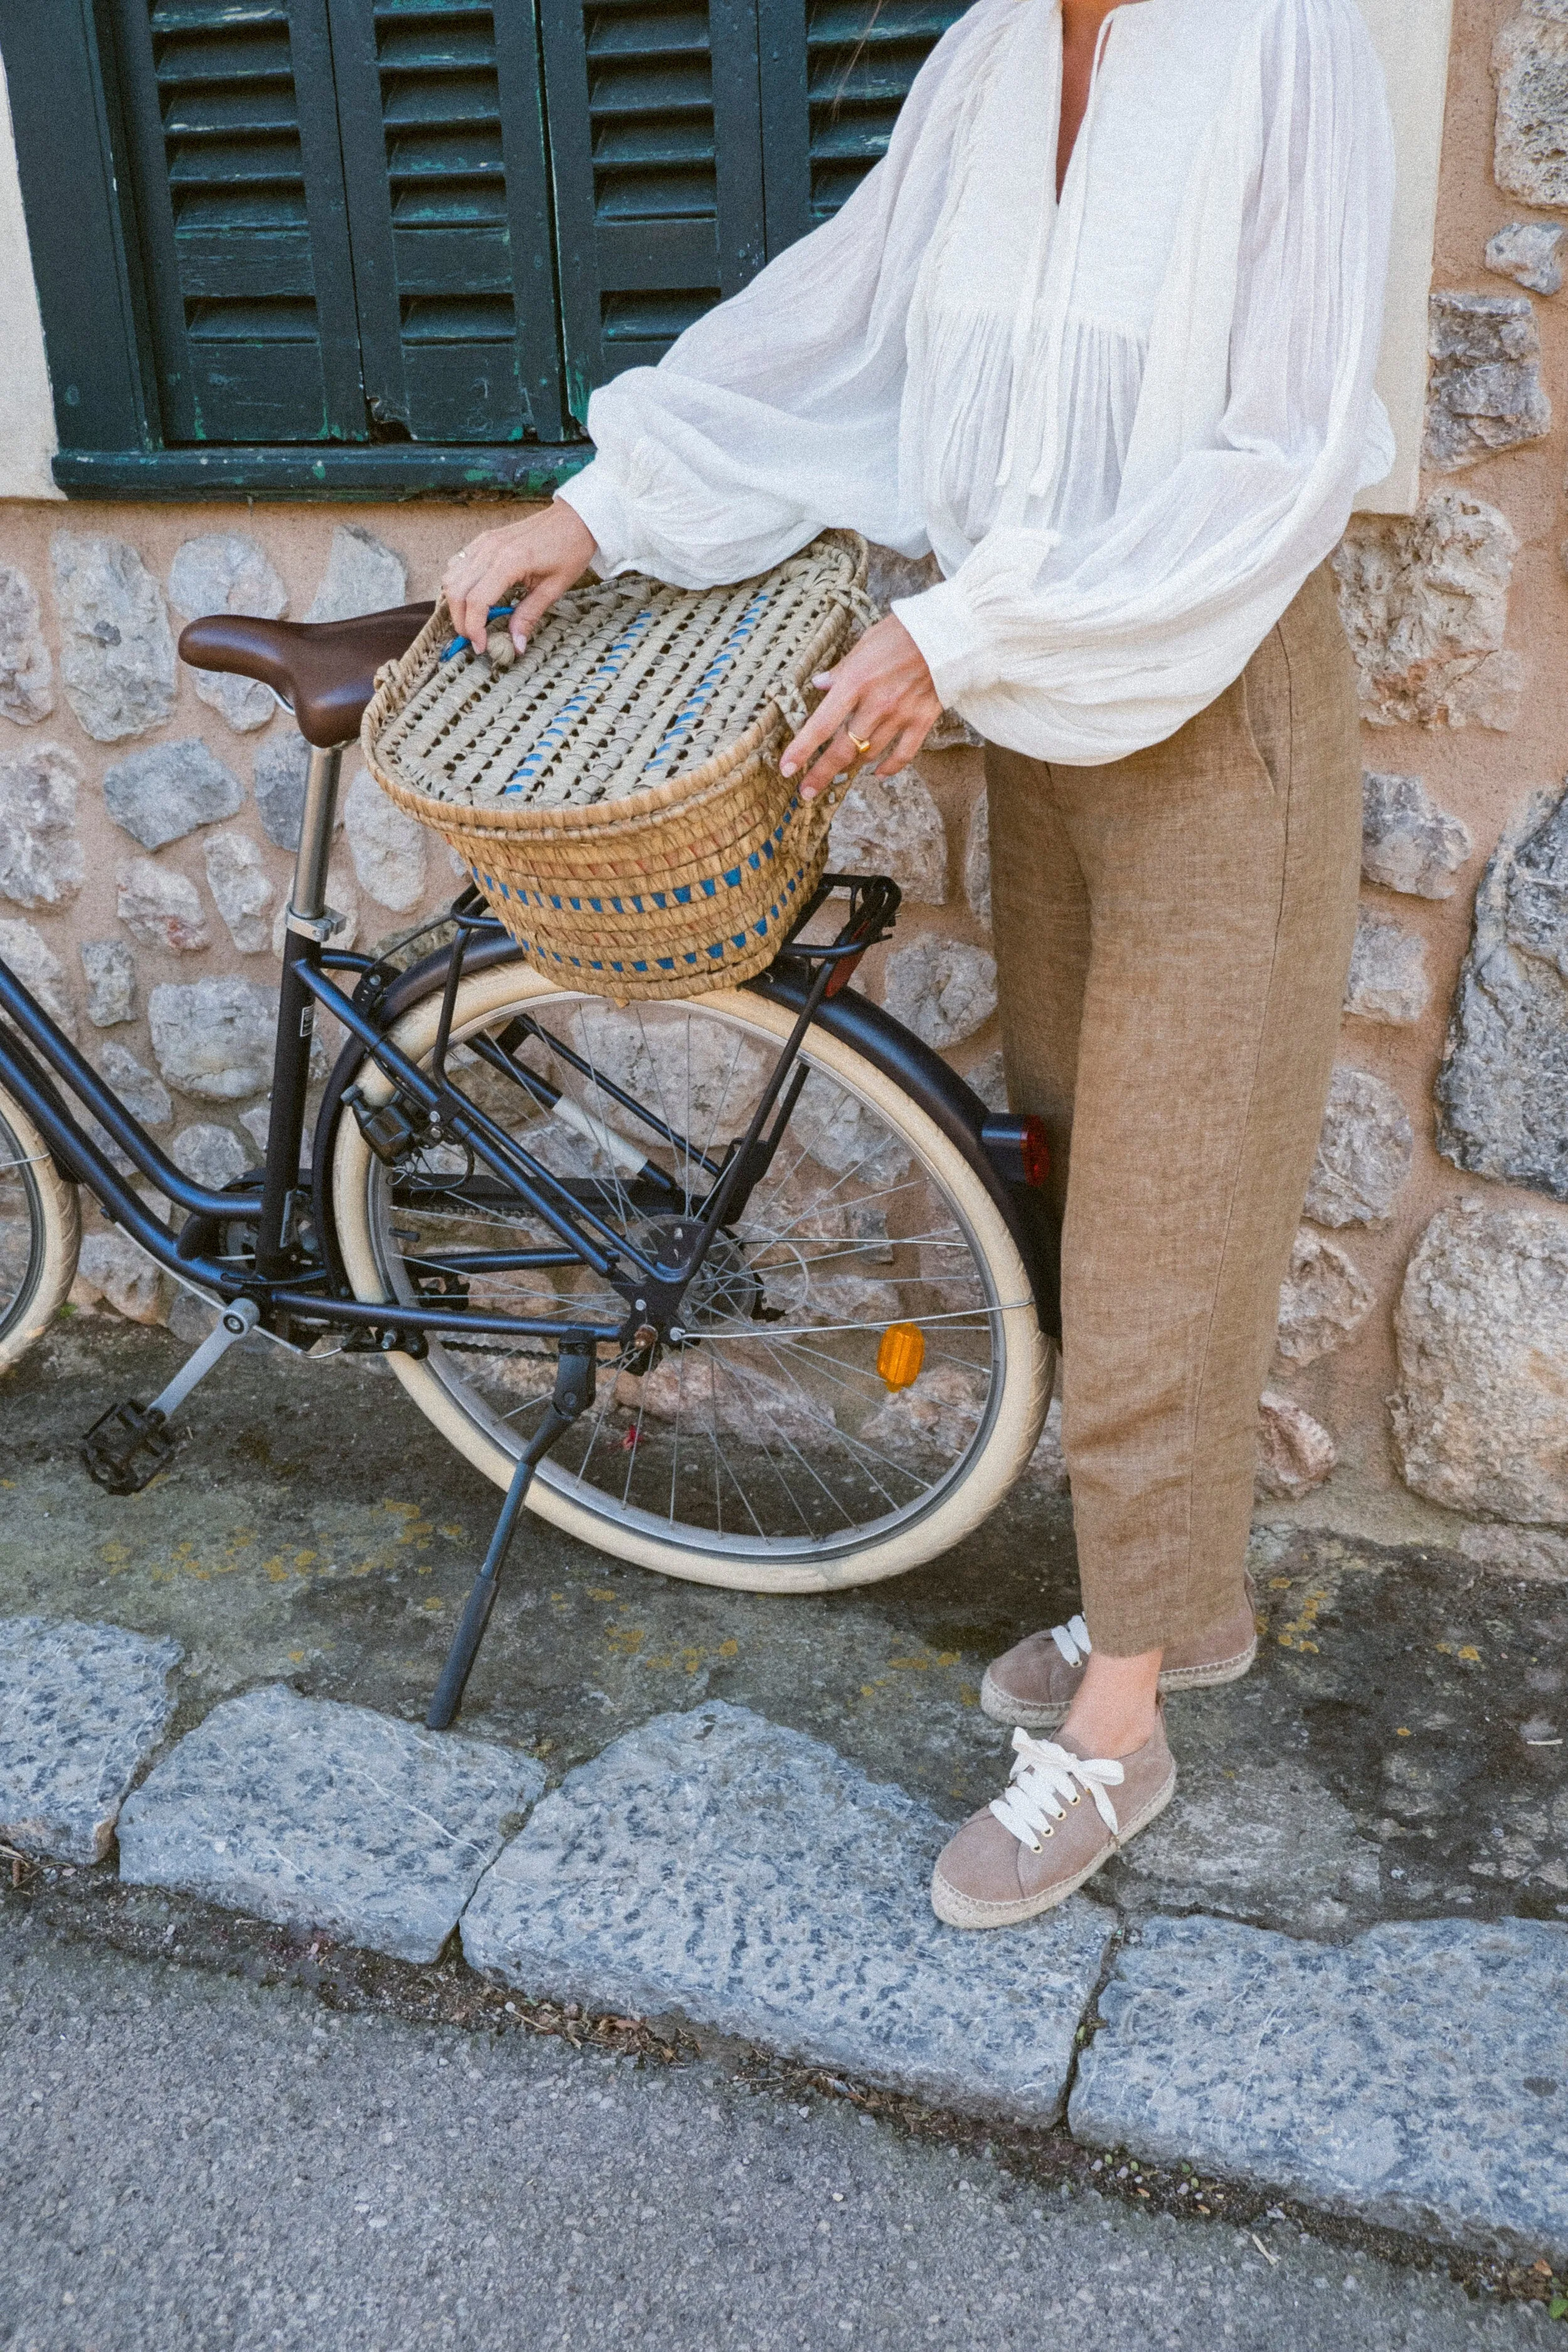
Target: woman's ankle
[{"x": 1117, "y": 1705}]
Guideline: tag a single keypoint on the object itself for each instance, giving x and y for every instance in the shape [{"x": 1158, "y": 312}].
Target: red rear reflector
[{"x": 1034, "y": 1151}]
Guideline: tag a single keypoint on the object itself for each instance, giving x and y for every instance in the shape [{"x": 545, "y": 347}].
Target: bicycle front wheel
[
  {"x": 764, "y": 1451},
  {"x": 40, "y": 1233}
]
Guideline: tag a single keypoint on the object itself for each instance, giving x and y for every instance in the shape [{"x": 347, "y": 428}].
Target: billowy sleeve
[
  {"x": 1086, "y": 651},
  {"x": 776, "y": 414}
]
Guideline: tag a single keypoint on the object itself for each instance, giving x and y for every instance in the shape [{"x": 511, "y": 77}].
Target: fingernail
[
  {"x": 788, "y": 767},
  {"x": 823, "y": 677}
]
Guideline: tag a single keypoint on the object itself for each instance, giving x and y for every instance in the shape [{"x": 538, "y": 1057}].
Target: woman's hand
[
  {"x": 542, "y": 555},
  {"x": 879, "y": 707}
]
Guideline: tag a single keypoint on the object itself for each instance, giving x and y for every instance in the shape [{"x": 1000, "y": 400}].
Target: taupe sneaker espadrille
[
  {"x": 1040, "y": 1839},
  {"x": 1036, "y": 1682}
]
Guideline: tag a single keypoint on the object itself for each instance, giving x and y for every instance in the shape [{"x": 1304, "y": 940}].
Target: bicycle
[{"x": 746, "y": 1288}]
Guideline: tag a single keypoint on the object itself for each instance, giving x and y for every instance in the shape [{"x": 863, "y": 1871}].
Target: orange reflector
[{"x": 901, "y": 1354}]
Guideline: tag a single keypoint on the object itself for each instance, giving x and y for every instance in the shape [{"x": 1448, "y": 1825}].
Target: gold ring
[{"x": 862, "y": 748}]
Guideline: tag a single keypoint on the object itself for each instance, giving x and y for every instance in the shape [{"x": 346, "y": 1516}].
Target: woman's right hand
[{"x": 542, "y": 556}]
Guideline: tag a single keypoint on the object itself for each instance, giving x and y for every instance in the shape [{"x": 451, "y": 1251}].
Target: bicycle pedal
[{"x": 125, "y": 1449}]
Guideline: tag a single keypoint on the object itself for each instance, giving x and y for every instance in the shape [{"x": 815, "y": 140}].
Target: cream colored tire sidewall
[
  {"x": 61, "y": 1235},
  {"x": 1030, "y": 1357}
]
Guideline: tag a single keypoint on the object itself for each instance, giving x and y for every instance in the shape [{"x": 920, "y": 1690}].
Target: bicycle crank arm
[{"x": 575, "y": 1384}]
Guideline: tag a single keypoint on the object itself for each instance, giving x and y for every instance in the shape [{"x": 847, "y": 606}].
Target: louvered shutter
[
  {"x": 229, "y": 119},
  {"x": 444, "y": 159},
  {"x": 834, "y": 78},
  {"x": 656, "y": 160}
]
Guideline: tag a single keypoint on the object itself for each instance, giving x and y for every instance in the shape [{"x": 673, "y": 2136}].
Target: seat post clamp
[{"x": 319, "y": 928}]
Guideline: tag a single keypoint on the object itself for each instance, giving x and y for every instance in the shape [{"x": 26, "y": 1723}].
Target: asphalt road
[{"x": 189, "y": 2161}]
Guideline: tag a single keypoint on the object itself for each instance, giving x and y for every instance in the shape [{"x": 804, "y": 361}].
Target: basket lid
[{"x": 629, "y": 691}]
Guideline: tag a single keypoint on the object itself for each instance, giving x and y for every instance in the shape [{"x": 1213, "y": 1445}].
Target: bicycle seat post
[{"x": 309, "y": 923}]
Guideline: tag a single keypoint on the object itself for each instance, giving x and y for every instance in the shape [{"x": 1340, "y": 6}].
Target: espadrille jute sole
[
  {"x": 1003, "y": 1707},
  {"x": 958, "y": 1910}
]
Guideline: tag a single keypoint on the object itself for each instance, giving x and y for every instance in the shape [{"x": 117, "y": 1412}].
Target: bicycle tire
[
  {"x": 40, "y": 1233},
  {"x": 445, "y": 1393}
]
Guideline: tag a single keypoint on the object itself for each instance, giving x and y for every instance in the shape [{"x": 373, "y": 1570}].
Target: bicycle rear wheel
[
  {"x": 40, "y": 1233},
  {"x": 764, "y": 1451}
]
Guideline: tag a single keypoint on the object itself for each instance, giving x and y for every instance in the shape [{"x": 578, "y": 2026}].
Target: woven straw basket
[{"x": 614, "y": 791}]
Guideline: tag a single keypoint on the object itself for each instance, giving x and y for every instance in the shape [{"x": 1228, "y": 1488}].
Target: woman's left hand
[{"x": 879, "y": 707}]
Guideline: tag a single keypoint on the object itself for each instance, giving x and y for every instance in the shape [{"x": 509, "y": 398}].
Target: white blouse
[{"x": 1129, "y": 424}]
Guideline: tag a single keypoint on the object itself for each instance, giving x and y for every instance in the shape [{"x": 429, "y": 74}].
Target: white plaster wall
[
  {"x": 26, "y": 413},
  {"x": 1412, "y": 37}
]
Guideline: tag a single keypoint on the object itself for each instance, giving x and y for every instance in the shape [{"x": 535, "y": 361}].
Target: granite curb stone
[
  {"x": 315, "y": 1814},
  {"x": 1416, "y": 2076},
  {"x": 81, "y": 1708},
  {"x": 748, "y": 1876}
]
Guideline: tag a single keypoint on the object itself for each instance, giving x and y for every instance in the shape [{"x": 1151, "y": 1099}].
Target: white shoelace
[
  {"x": 1072, "y": 1640},
  {"x": 1043, "y": 1776}
]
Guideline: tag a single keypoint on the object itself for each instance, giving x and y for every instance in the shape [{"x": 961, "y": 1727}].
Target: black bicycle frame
[{"x": 652, "y": 1288}]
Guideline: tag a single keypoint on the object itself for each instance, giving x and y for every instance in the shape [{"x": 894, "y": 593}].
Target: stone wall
[{"x": 1422, "y": 1383}]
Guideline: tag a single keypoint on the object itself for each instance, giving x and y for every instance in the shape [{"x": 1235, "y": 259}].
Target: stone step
[
  {"x": 1416, "y": 2075},
  {"x": 81, "y": 1708},
  {"x": 721, "y": 1866},
  {"x": 319, "y": 1816}
]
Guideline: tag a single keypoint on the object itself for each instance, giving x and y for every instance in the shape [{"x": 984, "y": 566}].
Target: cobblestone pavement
[{"x": 199, "y": 2163}]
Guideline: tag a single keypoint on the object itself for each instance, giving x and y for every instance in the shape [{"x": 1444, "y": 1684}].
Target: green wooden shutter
[
  {"x": 443, "y": 146},
  {"x": 834, "y": 77},
  {"x": 655, "y": 158},
  {"x": 238, "y": 188}
]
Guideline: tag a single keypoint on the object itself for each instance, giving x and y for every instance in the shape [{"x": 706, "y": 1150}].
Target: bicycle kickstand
[{"x": 575, "y": 1382}]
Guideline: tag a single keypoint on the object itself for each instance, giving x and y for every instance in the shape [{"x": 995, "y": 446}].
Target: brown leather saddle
[{"x": 325, "y": 670}]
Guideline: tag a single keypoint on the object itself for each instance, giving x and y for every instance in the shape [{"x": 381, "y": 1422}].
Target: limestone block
[
  {"x": 241, "y": 887},
  {"x": 227, "y": 572},
  {"x": 977, "y": 862},
  {"x": 1424, "y": 599},
  {"x": 38, "y": 968},
  {"x": 891, "y": 824},
  {"x": 257, "y": 1123},
  {"x": 1502, "y": 1091},
  {"x": 213, "y": 1038},
  {"x": 1532, "y": 1552},
  {"x": 81, "y": 1708},
  {"x": 42, "y": 863},
  {"x": 1219, "y": 1847},
  {"x": 160, "y": 907},
  {"x": 110, "y": 970},
  {"x": 1364, "y": 1151},
  {"x": 1407, "y": 842},
  {"x": 1484, "y": 393},
  {"x": 1482, "y": 1333},
  {"x": 387, "y": 847},
  {"x": 1528, "y": 252},
  {"x": 113, "y": 1267},
  {"x": 117, "y": 658},
  {"x": 362, "y": 576},
  {"x": 161, "y": 794},
  {"x": 749, "y": 1875},
  {"x": 1410, "y": 2076},
  {"x": 889, "y": 576},
  {"x": 1295, "y": 1453},
  {"x": 212, "y": 1156},
  {"x": 144, "y": 1097},
  {"x": 1530, "y": 63},
  {"x": 740, "y": 1401},
  {"x": 936, "y": 1417},
  {"x": 844, "y": 1135},
  {"x": 319, "y": 1816},
  {"x": 27, "y": 670},
  {"x": 941, "y": 989},
  {"x": 1323, "y": 1300},
  {"x": 282, "y": 764},
  {"x": 989, "y": 1079},
  {"x": 1388, "y": 980}
]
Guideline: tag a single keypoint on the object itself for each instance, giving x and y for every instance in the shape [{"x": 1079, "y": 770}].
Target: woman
[{"x": 1101, "y": 330}]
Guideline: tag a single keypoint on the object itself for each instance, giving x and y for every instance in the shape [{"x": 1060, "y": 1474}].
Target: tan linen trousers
[{"x": 1172, "y": 937}]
